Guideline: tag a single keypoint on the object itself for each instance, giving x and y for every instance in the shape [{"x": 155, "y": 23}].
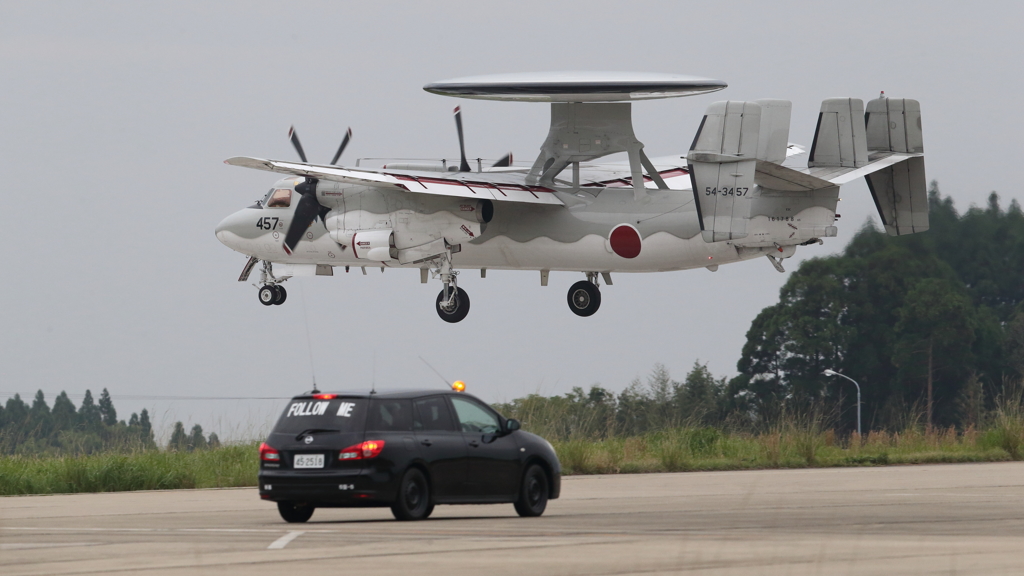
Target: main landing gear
[
  {"x": 272, "y": 293},
  {"x": 584, "y": 297},
  {"x": 452, "y": 302}
]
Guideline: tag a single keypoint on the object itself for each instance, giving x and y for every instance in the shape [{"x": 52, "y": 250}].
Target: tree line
[
  {"x": 930, "y": 325},
  {"x": 38, "y": 429}
]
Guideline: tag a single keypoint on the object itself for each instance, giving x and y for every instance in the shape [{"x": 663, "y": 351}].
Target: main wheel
[
  {"x": 413, "y": 497},
  {"x": 294, "y": 513},
  {"x": 267, "y": 295},
  {"x": 282, "y": 294},
  {"x": 584, "y": 298},
  {"x": 533, "y": 494},
  {"x": 458, "y": 312}
]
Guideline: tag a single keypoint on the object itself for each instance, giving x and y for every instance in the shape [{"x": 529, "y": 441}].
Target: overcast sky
[{"x": 115, "y": 119}]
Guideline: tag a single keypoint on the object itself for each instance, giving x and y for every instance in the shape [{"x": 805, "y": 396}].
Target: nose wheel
[
  {"x": 584, "y": 298},
  {"x": 271, "y": 294}
]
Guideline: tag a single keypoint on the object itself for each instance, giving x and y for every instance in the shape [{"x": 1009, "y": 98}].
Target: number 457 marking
[{"x": 267, "y": 223}]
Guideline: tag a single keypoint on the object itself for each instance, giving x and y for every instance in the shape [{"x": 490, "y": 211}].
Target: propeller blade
[
  {"x": 463, "y": 164},
  {"x": 305, "y": 212},
  {"x": 344, "y": 143},
  {"x": 295, "y": 142},
  {"x": 504, "y": 162}
]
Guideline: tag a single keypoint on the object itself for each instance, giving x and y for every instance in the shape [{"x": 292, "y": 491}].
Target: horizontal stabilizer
[
  {"x": 839, "y": 138},
  {"x": 777, "y": 177},
  {"x": 722, "y": 162}
]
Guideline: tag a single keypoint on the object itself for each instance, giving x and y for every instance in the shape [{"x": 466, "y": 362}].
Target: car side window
[
  {"x": 432, "y": 414},
  {"x": 390, "y": 416},
  {"x": 474, "y": 417},
  {"x": 281, "y": 198}
]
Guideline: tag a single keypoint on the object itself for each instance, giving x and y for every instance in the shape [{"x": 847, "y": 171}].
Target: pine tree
[
  {"x": 214, "y": 441},
  {"x": 106, "y": 408},
  {"x": 39, "y": 419},
  {"x": 196, "y": 440},
  {"x": 63, "y": 413},
  {"x": 89, "y": 414},
  {"x": 133, "y": 422},
  {"x": 179, "y": 440},
  {"x": 147, "y": 428}
]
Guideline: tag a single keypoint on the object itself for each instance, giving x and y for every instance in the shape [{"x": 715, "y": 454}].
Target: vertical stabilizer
[
  {"x": 839, "y": 138},
  {"x": 773, "y": 139},
  {"x": 722, "y": 161},
  {"x": 900, "y": 191}
]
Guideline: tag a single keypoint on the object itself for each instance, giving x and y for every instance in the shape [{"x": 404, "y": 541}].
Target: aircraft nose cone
[
  {"x": 229, "y": 231},
  {"x": 221, "y": 230}
]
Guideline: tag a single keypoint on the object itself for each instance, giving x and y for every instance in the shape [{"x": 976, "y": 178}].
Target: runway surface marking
[
  {"x": 284, "y": 540},
  {"x": 950, "y": 519}
]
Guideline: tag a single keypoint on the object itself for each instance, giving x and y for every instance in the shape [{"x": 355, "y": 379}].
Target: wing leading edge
[{"x": 463, "y": 187}]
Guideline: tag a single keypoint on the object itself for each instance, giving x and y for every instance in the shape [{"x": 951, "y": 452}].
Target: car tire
[
  {"x": 294, "y": 513},
  {"x": 413, "y": 501},
  {"x": 533, "y": 493}
]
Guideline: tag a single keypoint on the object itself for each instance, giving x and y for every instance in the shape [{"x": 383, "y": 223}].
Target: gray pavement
[{"x": 944, "y": 519}]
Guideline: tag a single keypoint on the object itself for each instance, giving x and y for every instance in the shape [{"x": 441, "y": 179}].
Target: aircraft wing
[{"x": 461, "y": 184}]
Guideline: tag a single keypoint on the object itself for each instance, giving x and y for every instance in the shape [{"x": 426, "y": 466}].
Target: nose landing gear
[
  {"x": 272, "y": 292},
  {"x": 584, "y": 297}
]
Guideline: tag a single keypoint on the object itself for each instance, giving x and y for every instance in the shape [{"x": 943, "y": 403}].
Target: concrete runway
[{"x": 945, "y": 519}]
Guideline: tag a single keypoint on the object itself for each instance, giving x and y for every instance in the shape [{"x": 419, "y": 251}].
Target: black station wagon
[{"x": 408, "y": 450}]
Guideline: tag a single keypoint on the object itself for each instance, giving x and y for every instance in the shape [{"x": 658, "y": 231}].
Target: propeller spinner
[{"x": 308, "y": 207}]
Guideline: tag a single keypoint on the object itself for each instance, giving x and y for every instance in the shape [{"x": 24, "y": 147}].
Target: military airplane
[{"x": 736, "y": 194}]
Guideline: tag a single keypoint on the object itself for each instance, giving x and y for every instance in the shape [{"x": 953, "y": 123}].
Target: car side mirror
[{"x": 511, "y": 425}]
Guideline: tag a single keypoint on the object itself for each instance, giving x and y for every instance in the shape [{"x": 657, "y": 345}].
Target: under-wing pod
[{"x": 376, "y": 245}]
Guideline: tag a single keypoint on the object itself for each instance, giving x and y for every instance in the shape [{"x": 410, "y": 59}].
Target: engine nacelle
[{"x": 378, "y": 245}]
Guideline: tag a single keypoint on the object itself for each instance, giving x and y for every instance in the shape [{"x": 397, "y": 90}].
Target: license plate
[{"x": 308, "y": 461}]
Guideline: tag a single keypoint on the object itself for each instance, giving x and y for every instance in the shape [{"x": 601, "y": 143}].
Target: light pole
[{"x": 834, "y": 373}]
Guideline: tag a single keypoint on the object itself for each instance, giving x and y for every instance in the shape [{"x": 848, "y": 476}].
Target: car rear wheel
[
  {"x": 413, "y": 497},
  {"x": 533, "y": 494},
  {"x": 295, "y": 513}
]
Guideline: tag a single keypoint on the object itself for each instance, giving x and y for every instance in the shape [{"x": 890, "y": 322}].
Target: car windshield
[{"x": 337, "y": 414}]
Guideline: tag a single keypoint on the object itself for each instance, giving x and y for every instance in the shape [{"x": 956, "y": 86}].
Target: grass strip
[{"x": 675, "y": 450}]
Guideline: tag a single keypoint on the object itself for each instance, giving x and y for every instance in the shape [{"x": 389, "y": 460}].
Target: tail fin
[
  {"x": 773, "y": 139},
  {"x": 839, "y": 138},
  {"x": 899, "y": 190},
  {"x": 721, "y": 162}
]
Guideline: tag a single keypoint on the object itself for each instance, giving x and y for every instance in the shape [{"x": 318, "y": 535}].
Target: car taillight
[
  {"x": 363, "y": 450},
  {"x": 268, "y": 454}
]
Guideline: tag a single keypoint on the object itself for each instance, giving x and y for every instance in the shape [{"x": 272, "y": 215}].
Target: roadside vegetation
[{"x": 930, "y": 325}]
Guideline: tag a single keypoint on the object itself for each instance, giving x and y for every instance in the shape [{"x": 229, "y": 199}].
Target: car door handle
[
  {"x": 474, "y": 443},
  {"x": 426, "y": 442}
]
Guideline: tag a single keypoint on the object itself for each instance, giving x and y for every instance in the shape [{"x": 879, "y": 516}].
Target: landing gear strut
[
  {"x": 452, "y": 302},
  {"x": 584, "y": 297},
  {"x": 272, "y": 292}
]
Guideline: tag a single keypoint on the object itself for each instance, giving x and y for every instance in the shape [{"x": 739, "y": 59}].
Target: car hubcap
[
  {"x": 533, "y": 490},
  {"x": 412, "y": 495}
]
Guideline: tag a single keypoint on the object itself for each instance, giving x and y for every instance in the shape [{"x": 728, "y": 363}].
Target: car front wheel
[{"x": 533, "y": 494}]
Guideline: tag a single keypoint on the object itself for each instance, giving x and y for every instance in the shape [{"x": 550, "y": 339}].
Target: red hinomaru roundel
[{"x": 625, "y": 241}]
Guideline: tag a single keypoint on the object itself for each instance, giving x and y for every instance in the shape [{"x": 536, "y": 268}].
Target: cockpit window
[{"x": 281, "y": 198}]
